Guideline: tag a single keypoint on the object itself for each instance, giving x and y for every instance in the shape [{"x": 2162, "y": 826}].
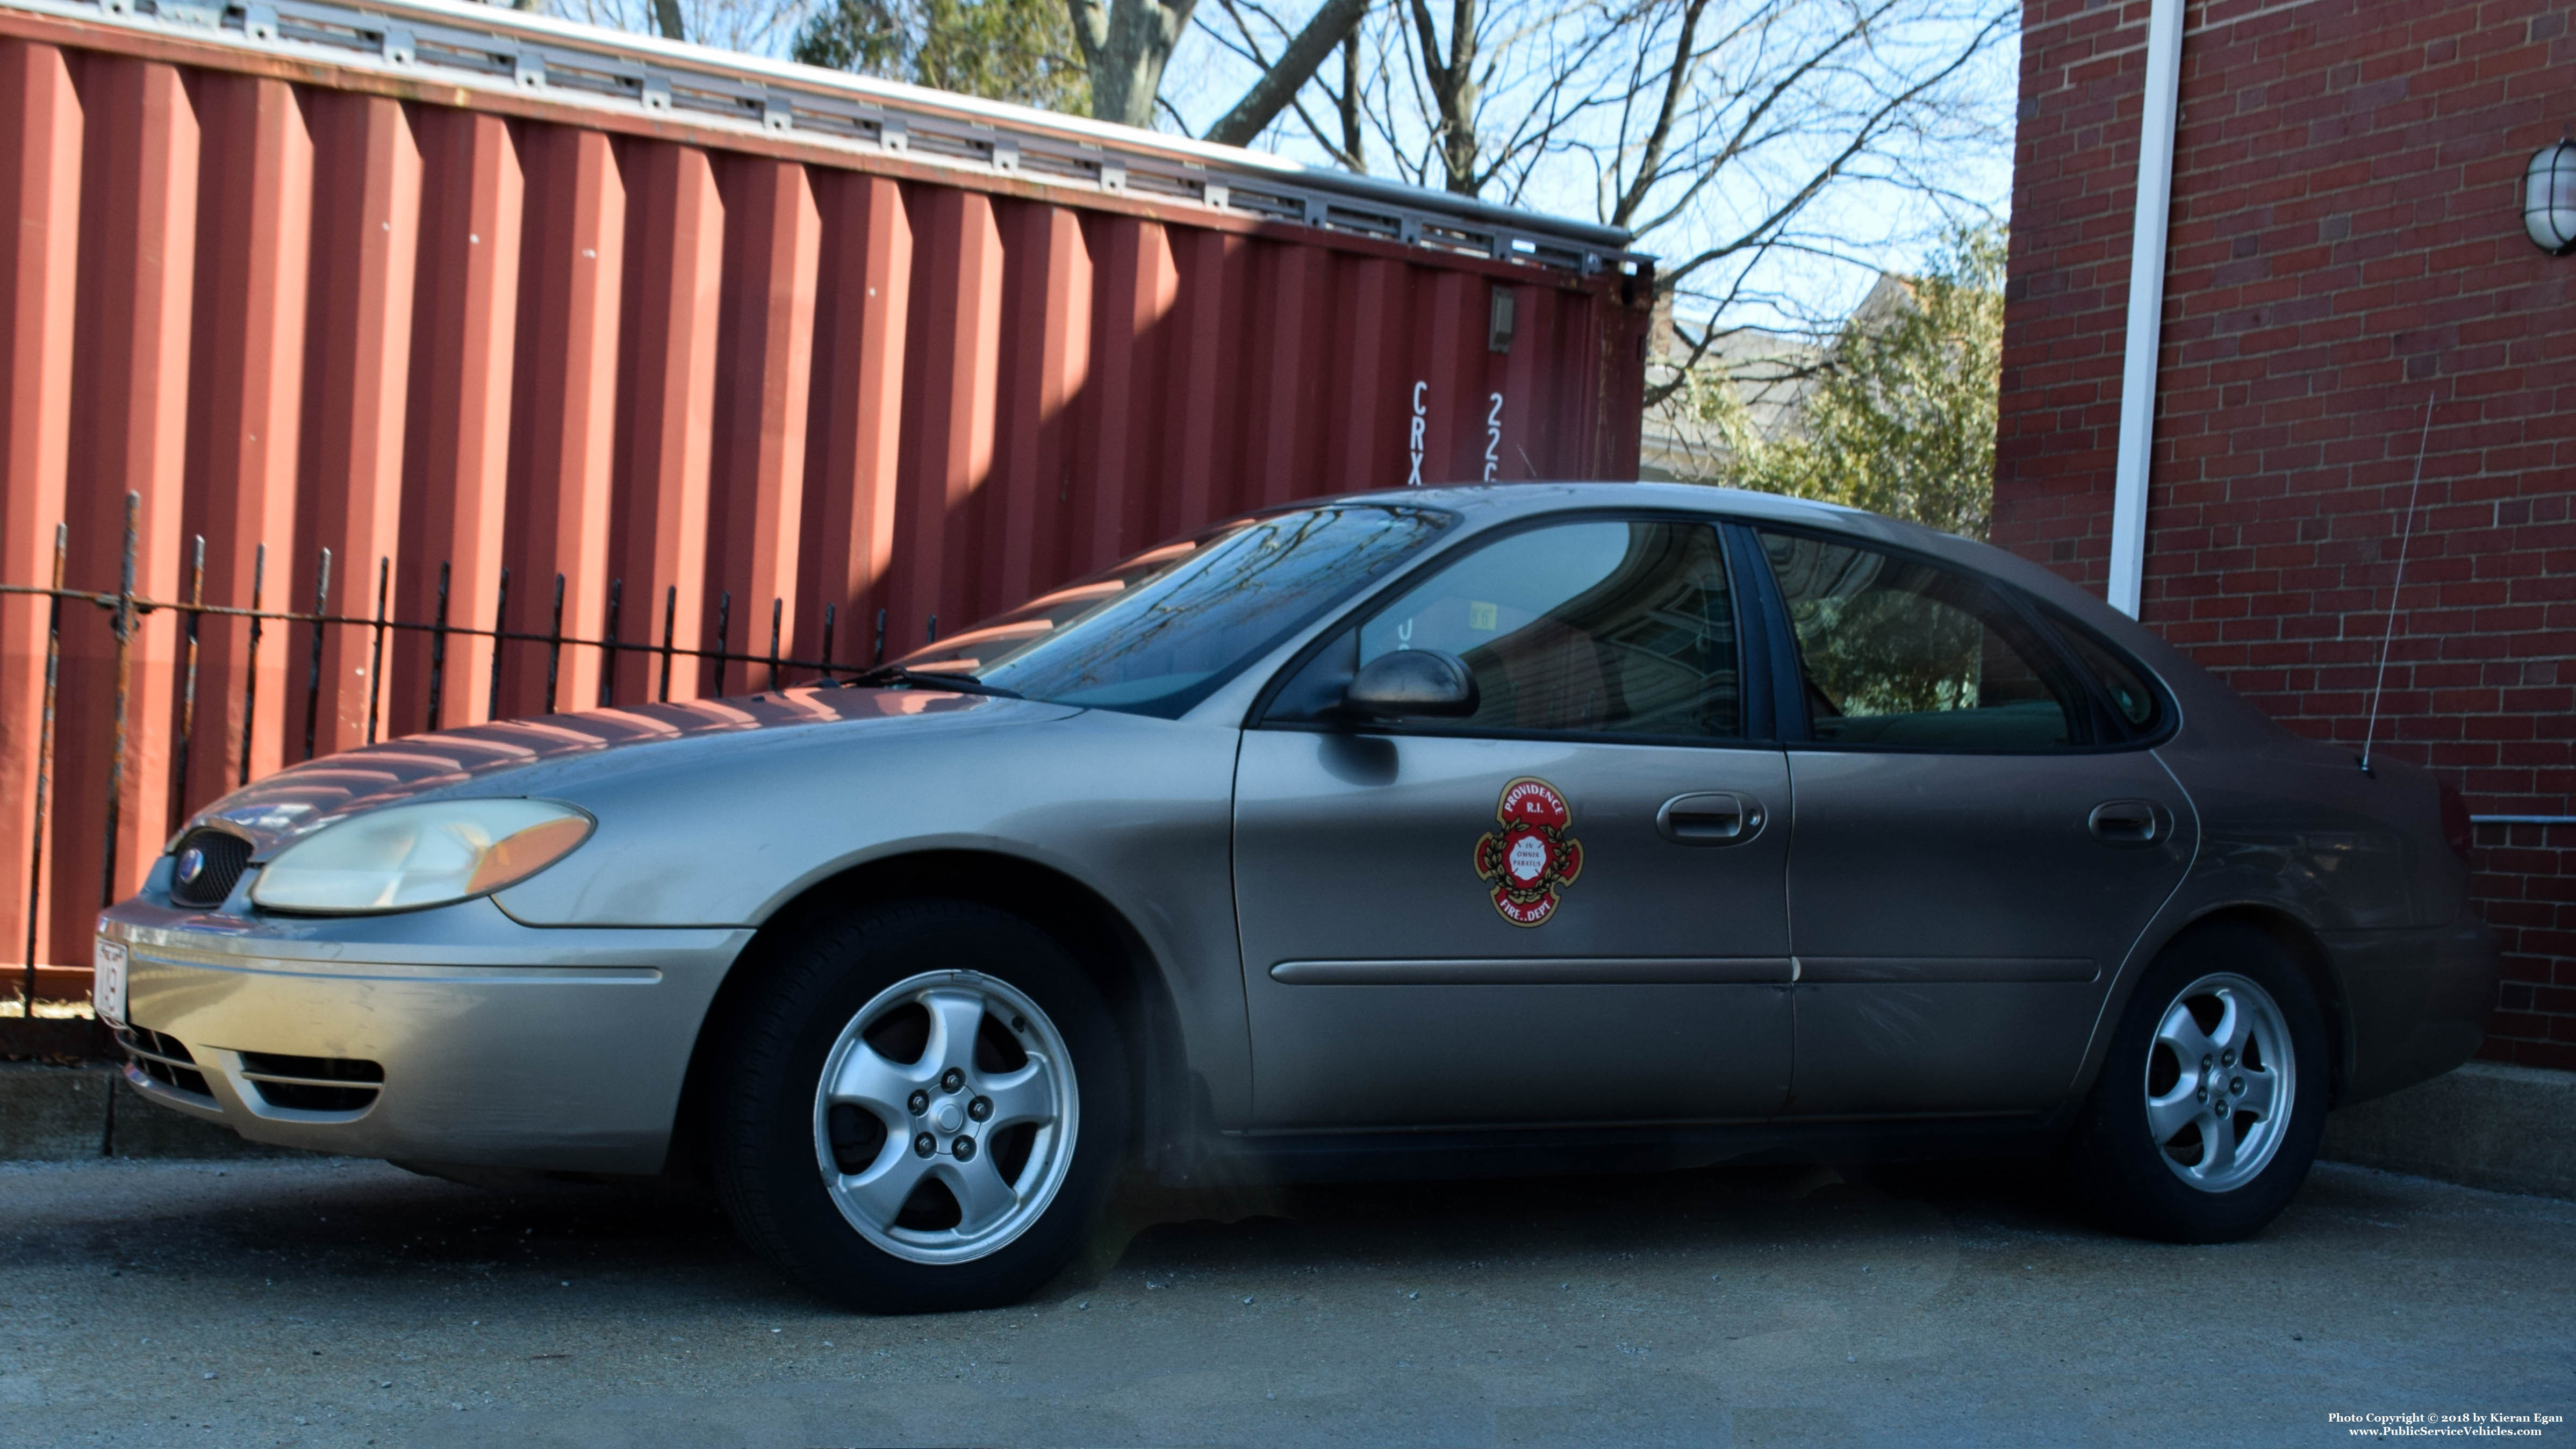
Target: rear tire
[
  {"x": 921, "y": 1108},
  {"x": 2207, "y": 1114}
]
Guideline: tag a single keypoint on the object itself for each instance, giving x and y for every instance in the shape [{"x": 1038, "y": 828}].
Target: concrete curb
[
  {"x": 59, "y": 1113},
  {"x": 2512, "y": 1129}
]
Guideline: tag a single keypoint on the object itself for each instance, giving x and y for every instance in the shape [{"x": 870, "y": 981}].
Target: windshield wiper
[{"x": 895, "y": 676}]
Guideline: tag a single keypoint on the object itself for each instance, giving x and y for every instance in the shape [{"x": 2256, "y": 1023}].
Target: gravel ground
[{"x": 343, "y": 1302}]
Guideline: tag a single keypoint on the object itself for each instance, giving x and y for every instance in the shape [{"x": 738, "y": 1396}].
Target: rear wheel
[
  {"x": 2208, "y": 1112},
  {"x": 921, "y": 1110}
]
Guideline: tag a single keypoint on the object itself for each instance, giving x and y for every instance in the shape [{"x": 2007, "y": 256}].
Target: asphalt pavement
[{"x": 327, "y": 1302}]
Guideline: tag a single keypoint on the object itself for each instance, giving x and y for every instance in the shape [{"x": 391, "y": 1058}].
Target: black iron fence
[{"x": 126, "y": 609}]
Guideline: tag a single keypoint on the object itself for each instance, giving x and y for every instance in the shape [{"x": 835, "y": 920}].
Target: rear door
[
  {"x": 1566, "y": 909},
  {"x": 1978, "y": 838}
]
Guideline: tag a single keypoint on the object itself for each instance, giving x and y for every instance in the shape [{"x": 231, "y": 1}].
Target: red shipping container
[{"x": 718, "y": 342}]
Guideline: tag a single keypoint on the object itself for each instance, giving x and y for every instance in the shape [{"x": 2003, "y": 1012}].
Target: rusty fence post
[
  {"x": 45, "y": 759},
  {"x": 124, "y": 627},
  {"x": 608, "y": 648},
  {"x": 724, "y": 635},
  {"x": 777, "y": 610},
  {"x": 500, "y": 611},
  {"x": 181, "y": 748},
  {"x": 376, "y": 652},
  {"x": 554, "y": 645},
  {"x": 670, "y": 626},
  {"x": 313, "y": 675},
  {"x": 250, "y": 671},
  {"x": 438, "y": 647}
]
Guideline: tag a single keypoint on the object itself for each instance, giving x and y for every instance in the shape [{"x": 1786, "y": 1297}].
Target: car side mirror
[{"x": 1412, "y": 682}]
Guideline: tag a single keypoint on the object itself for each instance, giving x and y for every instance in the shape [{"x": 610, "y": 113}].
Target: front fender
[{"x": 1137, "y": 810}]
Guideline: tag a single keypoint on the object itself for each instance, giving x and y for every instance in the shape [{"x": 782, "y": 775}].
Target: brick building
[{"x": 2345, "y": 243}]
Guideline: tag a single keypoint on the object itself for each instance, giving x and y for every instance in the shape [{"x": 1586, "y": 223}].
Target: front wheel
[
  {"x": 2209, "y": 1109},
  {"x": 921, "y": 1110}
]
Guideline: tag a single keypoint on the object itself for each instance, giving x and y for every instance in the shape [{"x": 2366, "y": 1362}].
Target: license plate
[{"x": 107, "y": 988}]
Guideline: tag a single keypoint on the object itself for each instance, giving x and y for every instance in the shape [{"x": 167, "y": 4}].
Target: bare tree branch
[
  {"x": 1861, "y": 139},
  {"x": 1333, "y": 21}
]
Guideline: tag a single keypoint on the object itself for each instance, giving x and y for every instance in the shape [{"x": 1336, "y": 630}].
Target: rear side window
[
  {"x": 1897, "y": 653},
  {"x": 2123, "y": 684}
]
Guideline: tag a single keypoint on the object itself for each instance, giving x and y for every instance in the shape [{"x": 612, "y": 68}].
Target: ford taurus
[{"x": 1446, "y": 831}]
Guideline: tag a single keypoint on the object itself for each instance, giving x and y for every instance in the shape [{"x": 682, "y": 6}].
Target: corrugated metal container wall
[{"x": 292, "y": 303}]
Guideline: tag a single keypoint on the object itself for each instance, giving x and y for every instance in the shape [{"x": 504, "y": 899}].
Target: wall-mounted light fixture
[{"x": 2549, "y": 198}]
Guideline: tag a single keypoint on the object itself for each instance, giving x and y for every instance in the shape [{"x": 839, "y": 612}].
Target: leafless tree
[
  {"x": 1747, "y": 143},
  {"x": 1741, "y": 120}
]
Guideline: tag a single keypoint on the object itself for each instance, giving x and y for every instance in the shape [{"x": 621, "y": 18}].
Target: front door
[
  {"x": 1977, "y": 848},
  {"x": 1567, "y": 908}
]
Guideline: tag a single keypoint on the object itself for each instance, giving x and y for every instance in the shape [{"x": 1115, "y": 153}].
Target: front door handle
[
  {"x": 2126, "y": 822},
  {"x": 1714, "y": 818}
]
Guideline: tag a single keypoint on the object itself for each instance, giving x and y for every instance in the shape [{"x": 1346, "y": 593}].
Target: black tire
[
  {"x": 2119, "y": 1168},
  {"x": 762, "y": 1118}
]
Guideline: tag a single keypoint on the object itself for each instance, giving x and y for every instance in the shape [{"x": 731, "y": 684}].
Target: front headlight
[{"x": 408, "y": 856}]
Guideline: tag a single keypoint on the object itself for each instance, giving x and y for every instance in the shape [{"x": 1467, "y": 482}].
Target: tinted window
[
  {"x": 1592, "y": 627},
  {"x": 1897, "y": 652},
  {"x": 1157, "y": 633},
  {"x": 2122, "y": 682}
]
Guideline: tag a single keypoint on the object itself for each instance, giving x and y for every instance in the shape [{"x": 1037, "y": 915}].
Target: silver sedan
[{"x": 1438, "y": 832}]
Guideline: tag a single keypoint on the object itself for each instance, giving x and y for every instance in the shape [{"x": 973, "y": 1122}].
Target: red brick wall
[{"x": 2347, "y": 242}]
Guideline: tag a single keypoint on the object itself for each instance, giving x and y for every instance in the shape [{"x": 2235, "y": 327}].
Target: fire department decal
[{"x": 1531, "y": 859}]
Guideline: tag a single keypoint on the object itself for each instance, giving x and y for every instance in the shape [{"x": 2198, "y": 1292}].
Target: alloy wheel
[
  {"x": 2221, "y": 1077},
  {"x": 945, "y": 1119}
]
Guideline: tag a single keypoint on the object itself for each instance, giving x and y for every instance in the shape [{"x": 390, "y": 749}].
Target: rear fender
[{"x": 2204, "y": 901}]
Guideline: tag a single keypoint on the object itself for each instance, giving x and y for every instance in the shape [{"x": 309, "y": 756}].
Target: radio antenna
[{"x": 2370, "y": 732}]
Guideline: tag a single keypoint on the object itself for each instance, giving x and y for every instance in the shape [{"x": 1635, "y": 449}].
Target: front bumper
[{"x": 499, "y": 1044}]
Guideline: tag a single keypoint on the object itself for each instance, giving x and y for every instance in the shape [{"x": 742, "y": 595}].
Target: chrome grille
[{"x": 210, "y": 863}]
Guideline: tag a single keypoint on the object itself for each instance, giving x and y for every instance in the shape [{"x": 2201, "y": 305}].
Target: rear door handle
[
  {"x": 2126, "y": 822},
  {"x": 1714, "y": 818}
]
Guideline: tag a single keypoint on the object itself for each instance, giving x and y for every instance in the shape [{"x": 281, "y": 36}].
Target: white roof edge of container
[{"x": 483, "y": 47}]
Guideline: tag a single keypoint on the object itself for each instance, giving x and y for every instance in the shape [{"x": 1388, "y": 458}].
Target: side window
[
  {"x": 2123, "y": 683},
  {"x": 1902, "y": 653},
  {"x": 1594, "y": 627}
]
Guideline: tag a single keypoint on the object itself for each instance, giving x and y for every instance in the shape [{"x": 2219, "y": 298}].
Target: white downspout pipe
[{"x": 2146, "y": 305}]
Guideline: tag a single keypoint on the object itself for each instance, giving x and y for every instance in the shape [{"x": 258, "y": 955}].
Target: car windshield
[{"x": 1161, "y": 631}]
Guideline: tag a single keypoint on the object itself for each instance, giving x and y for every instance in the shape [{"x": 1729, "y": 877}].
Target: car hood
[{"x": 530, "y": 756}]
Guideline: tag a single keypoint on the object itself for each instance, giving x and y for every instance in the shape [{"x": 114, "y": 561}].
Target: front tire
[
  {"x": 921, "y": 1108},
  {"x": 2208, "y": 1112}
]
